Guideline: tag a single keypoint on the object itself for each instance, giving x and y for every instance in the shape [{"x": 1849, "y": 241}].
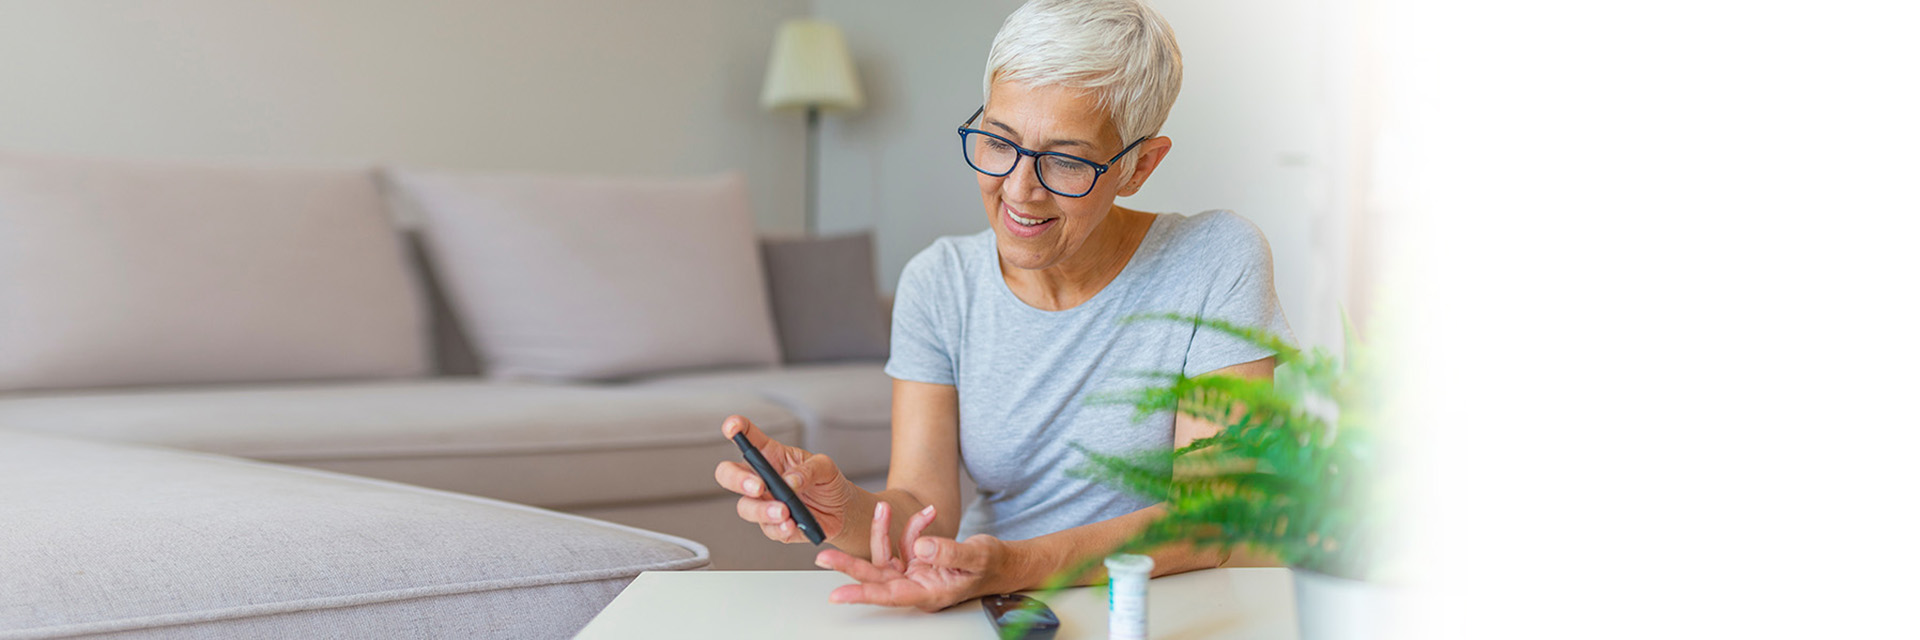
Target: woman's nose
[{"x": 1023, "y": 181}]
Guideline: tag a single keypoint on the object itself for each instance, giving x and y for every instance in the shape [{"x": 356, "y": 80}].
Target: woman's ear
[{"x": 1151, "y": 153}]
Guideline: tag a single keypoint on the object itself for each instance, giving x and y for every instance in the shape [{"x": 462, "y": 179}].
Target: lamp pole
[
  {"x": 809, "y": 68},
  {"x": 813, "y": 169}
]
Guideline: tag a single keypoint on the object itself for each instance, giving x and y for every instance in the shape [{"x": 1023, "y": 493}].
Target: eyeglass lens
[{"x": 1062, "y": 175}]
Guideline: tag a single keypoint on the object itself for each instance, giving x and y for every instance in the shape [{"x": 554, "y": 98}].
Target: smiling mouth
[{"x": 1026, "y": 221}]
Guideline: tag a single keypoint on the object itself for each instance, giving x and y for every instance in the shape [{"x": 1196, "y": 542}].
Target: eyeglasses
[{"x": 1064, "y": 174}]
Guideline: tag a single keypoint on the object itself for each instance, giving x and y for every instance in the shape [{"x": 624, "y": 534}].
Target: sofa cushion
[
  {"x": 846, "y": 408},
  {"x": 453, "y": 353},
  {"x": 594, "y": 278},
  {"x": 545, "y": 445},
  {"x": 117, "y": 273},
  {"x": 826, "y": 299},
  {"x": 104, "y": 538}
]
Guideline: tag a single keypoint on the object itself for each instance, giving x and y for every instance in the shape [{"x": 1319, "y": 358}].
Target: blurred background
[
  {"x": 1268, "y": 123},
  {"x": 1656, "y": 261}
]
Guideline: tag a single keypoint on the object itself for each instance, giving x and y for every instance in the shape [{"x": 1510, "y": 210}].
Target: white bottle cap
[{"x": 1129, "y": 564}]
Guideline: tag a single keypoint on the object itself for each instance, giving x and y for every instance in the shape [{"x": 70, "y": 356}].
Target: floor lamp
[{"x": 810, "y": 70}]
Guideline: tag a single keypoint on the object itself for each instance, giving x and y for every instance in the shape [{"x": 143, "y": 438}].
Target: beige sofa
[
  {"x": 121, "y": 541},
  {"x": 569, "y": 344}
]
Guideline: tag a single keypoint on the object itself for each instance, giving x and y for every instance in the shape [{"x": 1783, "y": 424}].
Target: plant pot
[{"x": 1333, "y": 608}]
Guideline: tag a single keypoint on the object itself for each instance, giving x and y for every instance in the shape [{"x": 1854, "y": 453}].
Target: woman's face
[{"x": 1047, "y": 118}]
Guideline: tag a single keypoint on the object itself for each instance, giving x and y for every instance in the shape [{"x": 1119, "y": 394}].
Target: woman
[{"x": 1000, "y": 337}]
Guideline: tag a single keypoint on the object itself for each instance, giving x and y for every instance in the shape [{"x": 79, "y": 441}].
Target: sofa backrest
[
  {"x": 453, "y": 352},
  {"x": 119, "y": 273},
  {"x": 813, "y": 328},
  {"x": 135, "y": 273}
]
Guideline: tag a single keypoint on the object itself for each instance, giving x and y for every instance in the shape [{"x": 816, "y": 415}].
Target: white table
[{"x": 790, "y": 605}]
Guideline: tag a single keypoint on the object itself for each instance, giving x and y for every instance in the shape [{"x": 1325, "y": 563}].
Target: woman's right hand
[{"x": 819, "y": 483}]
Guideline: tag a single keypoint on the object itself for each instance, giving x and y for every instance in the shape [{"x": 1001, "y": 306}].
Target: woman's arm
[
  {"x": 924, "y": 469},
  {"x": 1026, "y": 564},
  {"x": 925, "y": 473},
  {"x": 942, "y": 571}
]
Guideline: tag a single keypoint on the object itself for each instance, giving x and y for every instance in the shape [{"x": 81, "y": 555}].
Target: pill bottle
[{"x": 1127, "y": 596}]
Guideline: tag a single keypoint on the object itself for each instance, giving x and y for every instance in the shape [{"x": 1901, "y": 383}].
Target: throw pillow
[
  {"x": 597, "y": 278},
  {"x": 826, "y": 298}
]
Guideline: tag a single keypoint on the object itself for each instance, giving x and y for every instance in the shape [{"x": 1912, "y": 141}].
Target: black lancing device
[{"x": 780, "y": 490}]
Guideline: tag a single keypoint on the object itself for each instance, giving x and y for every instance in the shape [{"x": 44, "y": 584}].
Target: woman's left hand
[{"x": 939, "y": 572}]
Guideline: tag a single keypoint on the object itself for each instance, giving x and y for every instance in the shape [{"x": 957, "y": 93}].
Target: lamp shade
[{"x": 810, "y": 67}]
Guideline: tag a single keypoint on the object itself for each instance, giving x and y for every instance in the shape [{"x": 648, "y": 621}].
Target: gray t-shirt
[{"x": 1024, "y": 374}]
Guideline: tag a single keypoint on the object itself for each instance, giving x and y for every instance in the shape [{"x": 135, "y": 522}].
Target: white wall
[
  {"x": 1257, "y": 129},
  {"x": 671, "y": 87},
  {"x": 895, "y": 166},
  {"x": 573, "y": 86}
]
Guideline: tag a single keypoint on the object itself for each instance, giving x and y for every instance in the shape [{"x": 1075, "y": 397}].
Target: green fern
[{"x": 1288, "y": 474}]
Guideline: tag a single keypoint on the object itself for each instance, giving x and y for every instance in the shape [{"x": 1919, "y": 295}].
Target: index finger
[
  {"x": 881, "y": 547},
  {"x": 915, "y": 525},
  {"x": 740, "y": 424}
]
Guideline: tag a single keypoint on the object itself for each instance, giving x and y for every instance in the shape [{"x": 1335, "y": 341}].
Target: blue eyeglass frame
[{"x": 1099, "y": 169}]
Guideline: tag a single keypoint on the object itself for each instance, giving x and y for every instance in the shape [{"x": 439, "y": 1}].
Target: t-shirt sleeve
[
  {"x": 919, "y": 350},
  {"x": 1241, "y": 293}
]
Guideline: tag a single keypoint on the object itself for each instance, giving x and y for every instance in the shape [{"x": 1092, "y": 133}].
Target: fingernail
[
  {"x": 774, "y": 512},
  {"x": 793, "y": 481},
  {"x": 821, "y": 562},
  {"x": 923, "y": 548},
  {"x": 927, "y": 510},
  {"x": 751, "y": 486}
]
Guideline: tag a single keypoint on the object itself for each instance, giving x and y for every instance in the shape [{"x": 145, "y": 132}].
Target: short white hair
[{"x": 1120, "y": 50}]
